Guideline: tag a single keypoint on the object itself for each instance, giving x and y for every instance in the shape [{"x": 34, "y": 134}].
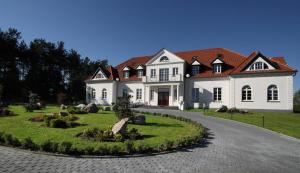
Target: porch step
[{"x": 160, "y": 107}]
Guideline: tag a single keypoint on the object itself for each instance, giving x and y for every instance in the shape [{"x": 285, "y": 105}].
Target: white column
[{"x": 172, "y": 96}]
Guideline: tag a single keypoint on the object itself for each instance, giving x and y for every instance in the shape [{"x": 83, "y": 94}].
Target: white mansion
[{"x": 192, "y": 79}]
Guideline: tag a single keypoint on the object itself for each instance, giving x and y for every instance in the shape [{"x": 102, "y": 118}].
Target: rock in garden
[
  {"x": 62, "y": 106},
  {"x": 223, "y": 108},
  {"x": 120, "y": 127},
  {"x": 81, "y": 106},
  {"x": 91, "y": 108},
  {"x": 140, "y": 119},
  {"x": 4, "y": 111},
  {"x": 63, "y": 114}
]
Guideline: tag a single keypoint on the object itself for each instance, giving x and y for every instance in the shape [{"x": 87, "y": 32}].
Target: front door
[{"x": 163, "y": 98}]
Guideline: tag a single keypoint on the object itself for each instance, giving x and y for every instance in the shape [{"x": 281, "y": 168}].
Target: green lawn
[
  {"x": 286, "y": 123},
  {"x": 157, "y": 130}
]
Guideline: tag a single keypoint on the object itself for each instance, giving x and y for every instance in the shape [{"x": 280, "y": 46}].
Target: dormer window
[
  {"x": 99, "y": 76},
  {"x": 126, "y": 74},
  {"x": 259, "y": 66},
  {"x": 164, "y": 59},
  {"x": 140, "y": 73},
  {"x": 195, "y": 69},
  {"x": 217, "y": 68}
]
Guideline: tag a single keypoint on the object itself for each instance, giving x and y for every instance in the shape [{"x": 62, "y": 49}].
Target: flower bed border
[{"x": 66, "y": 148}]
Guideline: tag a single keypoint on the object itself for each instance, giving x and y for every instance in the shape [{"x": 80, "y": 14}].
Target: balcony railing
[{"x": 163, "y": 78}]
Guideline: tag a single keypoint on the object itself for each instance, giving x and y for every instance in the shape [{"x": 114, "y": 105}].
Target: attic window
[
  {"x": 126, "y": 74},
  {"x": 140, "y": 73},
  {"x": 259, "y": 66},
  {"x": 99, "y": 76},
  {"x": 217, "y": 68},
  {"x": 164, "y": 59}
]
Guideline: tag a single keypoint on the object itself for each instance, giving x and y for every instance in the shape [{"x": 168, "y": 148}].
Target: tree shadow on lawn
[{"x": 162, "y": 125}]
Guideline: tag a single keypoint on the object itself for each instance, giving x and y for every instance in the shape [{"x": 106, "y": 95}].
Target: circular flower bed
[{"x": 160, "y": 133}]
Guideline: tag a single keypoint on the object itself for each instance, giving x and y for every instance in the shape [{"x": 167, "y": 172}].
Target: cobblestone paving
[{"x": 230, "y": 147}]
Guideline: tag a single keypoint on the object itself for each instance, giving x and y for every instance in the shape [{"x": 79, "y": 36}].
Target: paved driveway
[{"x": 231, "y": 147}]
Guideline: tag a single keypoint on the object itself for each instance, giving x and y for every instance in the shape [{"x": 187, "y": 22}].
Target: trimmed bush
[
  {"x": 75, "y": 110},
  {"x": 106, "y": 108},
  {"x": 49, "y": 146},
  {"x": 129, "y": 147},
  {"x": 27, "y": 143},
  {"x": 297, "y": 108},
  {"x": 59, "y": 123},
  {"x": 65, "y": 148}
]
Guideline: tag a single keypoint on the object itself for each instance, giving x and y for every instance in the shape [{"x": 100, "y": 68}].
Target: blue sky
[{"x": 117, "y": 30}]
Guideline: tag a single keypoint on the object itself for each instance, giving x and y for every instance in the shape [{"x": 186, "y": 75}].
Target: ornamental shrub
[
  {"x": 27, "y": 143},
  {"x": 59, "y": 123},
  {"x": 65, "y": 147},
  {"x": 49, "y": 146},
  {"x": 75, "y": 110}
]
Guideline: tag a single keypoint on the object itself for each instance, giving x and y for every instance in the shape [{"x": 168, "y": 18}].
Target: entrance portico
[{"x": 163, "y": 94}]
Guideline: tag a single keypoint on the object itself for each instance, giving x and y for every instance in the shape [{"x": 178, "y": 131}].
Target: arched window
[
  {"x": 93, "y": 93},
  {"x": 272, "y": 93},
  {"x": 246, "y": 93},
  {"x": 164, "y": 59},
  {"x": 104, "y": 94}
]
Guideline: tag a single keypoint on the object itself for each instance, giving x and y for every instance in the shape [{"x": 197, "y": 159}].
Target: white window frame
[
  {"x": 175, "y": 71},
  {"x": 93, "y": 93},
  {"x": 217, "y": 68},
  {"x": 138, "y": 94},
  {"x": 104, "y": 94},
  {"x": 217, "y": 94},
  {"x": 246, "y": 93},
  {"x": 126, "y": 74},
  {"x": 271, "y": 91},
  {"x": 195, "y": 94},
  {"x": 153, "y": 73},
  {"x": 195, "y": 69},
  {"x": 140, "y": 73}
]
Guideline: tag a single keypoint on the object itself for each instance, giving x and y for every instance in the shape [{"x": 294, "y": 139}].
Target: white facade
[{"x": 167, "y": 83}]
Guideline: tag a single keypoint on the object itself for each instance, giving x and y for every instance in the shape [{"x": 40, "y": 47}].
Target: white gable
[
  {"x": 196, "y": 63},
  {"x": 140, "y": 67},
  {"x": 217, "y": 61},
  {"x": 260, "y": 59},
  {"x": 100, "y": 75},
  {"x": 164, "y": 57},
  {"x": 126, "y": 68}
]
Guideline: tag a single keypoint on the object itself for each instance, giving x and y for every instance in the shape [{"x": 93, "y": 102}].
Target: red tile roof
[{"x": 234, "y": 63}]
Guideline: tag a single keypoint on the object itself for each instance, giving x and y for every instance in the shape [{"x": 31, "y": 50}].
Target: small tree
[
  {"x": 297, "y": 98},
  {"x": 122, "y": 107}
]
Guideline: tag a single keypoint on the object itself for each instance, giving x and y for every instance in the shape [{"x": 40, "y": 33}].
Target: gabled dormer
[
  {"x": 195, "y": 65},
  {"x": 164, "y": 57},
  {"x": 260, "y": 62},
  {"x": 218, "y": 64},
  {"x": 99, "y": 75},
  {"x": 140, "y": 71},
  {"x": 126, "y": 72}
]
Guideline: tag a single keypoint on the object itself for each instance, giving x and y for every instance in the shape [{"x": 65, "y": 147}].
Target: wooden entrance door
[{"x": 163, "y": 98}]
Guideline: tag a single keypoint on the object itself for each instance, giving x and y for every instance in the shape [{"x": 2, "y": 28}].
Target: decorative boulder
[
  {"x": 223, "y": 108},
  {"x": 91, "y": 108},
  {"x": 62, "y": 106},
  {"x": 81, "y": 106},
  {"x": 120, "y": 127},
  {"x": 140, "y": 119},
  {"x": 5, "y": 112},
  {"x": 63, "y": 114}
]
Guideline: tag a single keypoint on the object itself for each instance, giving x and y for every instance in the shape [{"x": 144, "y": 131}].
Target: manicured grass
[
  {"x": 286, "y": 123},
  {"x": 156, "y": 131}
]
